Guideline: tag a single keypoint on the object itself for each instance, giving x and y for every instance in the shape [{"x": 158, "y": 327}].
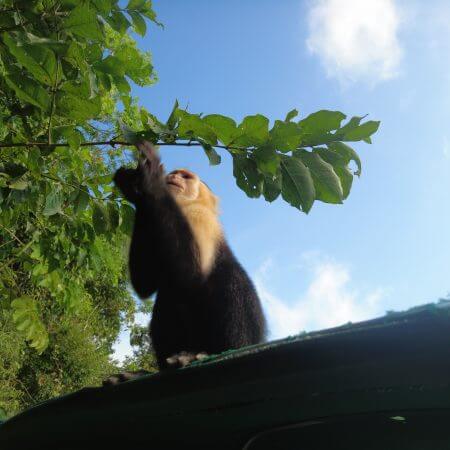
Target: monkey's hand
[
  {"x": 124, "y": 376},
  {"x": 127, "y": 180},
  {"x": 151, "y": 169},
  {"x": 183, "y": 359}
]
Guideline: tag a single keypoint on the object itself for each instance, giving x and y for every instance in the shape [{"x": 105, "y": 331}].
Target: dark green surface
[{"x": 393, "y": 365}]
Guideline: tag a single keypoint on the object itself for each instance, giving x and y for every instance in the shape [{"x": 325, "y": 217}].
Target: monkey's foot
[
  {"x": 182, "y": 359},
  {"x": 122, "y": 377}
]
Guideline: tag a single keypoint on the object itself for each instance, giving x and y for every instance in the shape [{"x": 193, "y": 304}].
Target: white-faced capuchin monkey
[{"x": 205, "y": 302}]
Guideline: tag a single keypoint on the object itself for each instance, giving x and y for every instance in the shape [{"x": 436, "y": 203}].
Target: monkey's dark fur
[{"x": 192, "y": 312}]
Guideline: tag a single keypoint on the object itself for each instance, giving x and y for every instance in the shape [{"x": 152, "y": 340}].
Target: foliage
[
  {"x": 273, "y": 161},
  {"x": 143, "y": 356},
  {"x": 66, "y": 68}
]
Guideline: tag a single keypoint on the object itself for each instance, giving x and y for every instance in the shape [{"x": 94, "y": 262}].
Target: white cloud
[
  {"x": 329, "y": 299},
  {"x": 356, "y": 39},
  {"x": 446, "y": 148}
]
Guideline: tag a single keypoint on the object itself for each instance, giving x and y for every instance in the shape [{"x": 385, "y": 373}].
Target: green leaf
[
  {"x": 346, "y": 177},
  {"x": 100, "y": 218},
  {"x": 285, "y": 136},
  {"x": 266, "y": 159},
  {"x": 339, "y": 164},
  {"x": 103, "y": 6},
  {"x": 82, "y": 21},
  {"x": 213, "y": 156},
  {"x": 111, "y": 65},
  {"x": 322, "y": 121},
  {"x": 136, "y": 4},
  {"x": 27, "y": 319},
  {"x": 326, "y": 183},
  {"x": 53, "y": 203},
  {"x": 81, "y": 201},
  {"x": 350, "y": 125},
  {"x": 347, "y": 153},
  {"x": 28, "y": 90},
  {"x": 113, "y": 216},
  {"x": 73, "y": 102},
  {"x": 224, "y": 127},
  {"x": 253, "y": 131},
  {"x": 271, "y": 187},
  {"x": 37, "y": 59},
  {"x": 18, "y": 184},
  {"x": 138, "y": 22},
  {"x": 362, "y": 132},
  {"x": 127, "y": 218},
  {"x": 191, "y": 126},
  {"x": 247, "y": 176},
  {"x": 118, "y": 22},
  {"x": 290, "y": 115},
  {"x": 297, "y": 186},
  {"x": 173, "y": 118}
]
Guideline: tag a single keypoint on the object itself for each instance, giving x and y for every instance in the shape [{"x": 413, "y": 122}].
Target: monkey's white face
[{"x": 183, "y": 184}]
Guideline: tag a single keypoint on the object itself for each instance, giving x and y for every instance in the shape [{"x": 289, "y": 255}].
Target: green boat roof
[{"x": 390, "y": 367}]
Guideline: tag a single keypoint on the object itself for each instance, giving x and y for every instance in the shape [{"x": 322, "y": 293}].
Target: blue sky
[{"x": 387, "y": 247}]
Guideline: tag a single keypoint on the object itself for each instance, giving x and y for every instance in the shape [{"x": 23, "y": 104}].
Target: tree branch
[{"x": 112, "y": 143}]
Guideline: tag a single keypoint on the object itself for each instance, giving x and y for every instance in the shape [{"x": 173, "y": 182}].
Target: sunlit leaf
[
  {"x": 83, "y": 22},
  {"x": 297, "y": 183},
  {"x": 192, "y": 126},
  {"x": 253, "y": 131},
  {"x": 224, "y": 127},
  {"x": 28, "y": 90},
  {"x": 37, "y": 59},
  {"x": 291, "y": 115},
  {"x": 27, "y": 319},
  {"x": 285, "y": 136},
  {"x": 327, "y": 184}
]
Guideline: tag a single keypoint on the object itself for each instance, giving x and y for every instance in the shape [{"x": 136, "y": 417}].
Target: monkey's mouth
[{"x": 174, "y": 183}]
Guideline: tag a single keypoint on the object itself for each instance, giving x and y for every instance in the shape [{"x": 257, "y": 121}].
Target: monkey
[{"x": 205, "y": 301}]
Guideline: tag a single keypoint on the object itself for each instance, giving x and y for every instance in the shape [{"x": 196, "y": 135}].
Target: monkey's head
[{"x": 187, "y": 188}]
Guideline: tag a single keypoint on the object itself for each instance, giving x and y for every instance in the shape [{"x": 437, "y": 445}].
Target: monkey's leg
[
  {"x": 182, "y": 359},
  {"x": 124, "y": 376}
]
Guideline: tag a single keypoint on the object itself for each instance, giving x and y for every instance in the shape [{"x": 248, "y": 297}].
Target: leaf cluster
[{"x": 303, "y": 160}]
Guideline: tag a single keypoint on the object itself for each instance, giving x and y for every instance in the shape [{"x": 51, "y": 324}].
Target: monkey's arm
[
  {"x": 169, "y": 233},
  {"x": 162, "y": 241}
]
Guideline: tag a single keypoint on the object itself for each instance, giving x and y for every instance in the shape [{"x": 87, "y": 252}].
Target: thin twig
[
  {"x": 54, "y": 90},
  {"x": 11, "y": 233},
  {"x": 58, "y": 180}
]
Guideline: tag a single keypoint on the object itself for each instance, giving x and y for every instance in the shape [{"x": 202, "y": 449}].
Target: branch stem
[{"x": 112, "y": 143}]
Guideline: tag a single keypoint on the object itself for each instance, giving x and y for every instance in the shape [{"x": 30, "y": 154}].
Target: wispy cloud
[
  {"x": 446, "y": 148},
  {"x": 356, "y": 40},
  {"x": 329, "y": 300}
]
